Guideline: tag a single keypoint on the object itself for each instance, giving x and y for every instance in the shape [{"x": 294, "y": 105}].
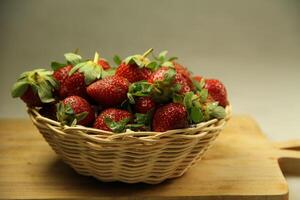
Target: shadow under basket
[{"x": 131, "y": 157}]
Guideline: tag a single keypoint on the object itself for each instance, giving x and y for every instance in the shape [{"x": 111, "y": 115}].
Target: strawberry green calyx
[
  {"x": 165, "y": 89},
  {"x": 40, "y": 81},
  {"x": 116, "y": 127},
  {"x": 213, "y": 110},
  {"x": 200, "y": 90},
  {"x": 199, "y": 111},
  {"x": 139, "y": 89},
  {"x": 91, "y": 70},
  {"x": 141, "y": 121},
  {"x": 163, "y": 60},
  {"x": 194, "y": 108},
  {"x": 71, "y": 58},
  {"x": 141, "y": 60},
  {"x": 66, "y": 115},
  {"x": 117, "y": 59},
  {"x": 160, "y": 90}
]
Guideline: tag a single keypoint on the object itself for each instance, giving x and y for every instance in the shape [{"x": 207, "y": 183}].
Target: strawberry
[
  {"x": 104, "y": 64},
  {"x": 73, "y": 85},
  {"x": 35, "y": 87},
  {"x": 217, "y": 91},
  {"x": 183, "y": 76},
  {"x": 75, "y": 110},
  {"x": 81, "y": 75},
  {"x": 134, "y": 68},
  {"x": 110, "y": 91},
  {"x": 170, "y": 116},
  {"x": 181, "y": 69},
  {"x": 62, "y": 73},
  {"x": 144, "y": 105},
  {"x": 113, "y": 119},
  {"x": 132, "y": 72},
  {"x": 161, "y": 73},
  {"x": 69, "y": 85}
]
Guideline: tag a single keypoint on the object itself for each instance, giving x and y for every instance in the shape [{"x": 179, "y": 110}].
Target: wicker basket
[{"x": 131, "y": 157}]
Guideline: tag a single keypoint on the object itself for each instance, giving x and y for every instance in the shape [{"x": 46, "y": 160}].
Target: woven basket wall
[{"x": 131, "y": 157}]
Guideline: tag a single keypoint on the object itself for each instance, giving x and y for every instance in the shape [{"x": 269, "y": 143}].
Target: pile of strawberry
[{"x": 139, "y": 94}]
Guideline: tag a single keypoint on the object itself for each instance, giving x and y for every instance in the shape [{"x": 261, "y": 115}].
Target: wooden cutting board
[{"x": 242, "y": 164}]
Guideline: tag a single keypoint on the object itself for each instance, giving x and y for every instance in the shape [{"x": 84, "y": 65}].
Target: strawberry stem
[
  {"x": 96, "y": 57},
  {"x": 147, "y": 53},
  {"x": 76, "y": 51}
]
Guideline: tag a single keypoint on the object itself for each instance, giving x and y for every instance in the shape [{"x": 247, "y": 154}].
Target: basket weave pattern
[{"x": 131, "y": 157}]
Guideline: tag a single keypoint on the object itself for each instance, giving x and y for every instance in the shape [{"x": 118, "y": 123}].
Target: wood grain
[{"x": 242, "y": 164}]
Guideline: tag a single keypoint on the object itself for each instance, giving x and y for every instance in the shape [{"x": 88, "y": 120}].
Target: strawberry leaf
[
  {"x": 45, "y": 92},
  {"x": 172, "y": 58},
  {"x": 196, "y": 115},
  {"x": 66, "y": 115},
  {"x": 177, "y": 98},
  {"x": 152, "y": 66},
  {"x": 90, "y": 70},
  {"x": 56, "y": 65},
  {"x": 116, "y": 127},
  {"x": 41, "y": 82},
  {"x": 117, "y": 60},
  {"x": 130, "y": 98},
  {"x": 162, "y": 56},
  {"x": 187, "y": 101},
  {"x": 140, "y": 89},
  {"x": 197, "y": 85},
  {"x": 167, "y": 64},
  {"x": 163, "y": 60},
  {"x": 108, "y": 72},
  {"x": 218, "y": 112},
  {"x": 169, "y": 76},
  {"x": 75, "y": 68},
  {"x": 73, "y": 58},
  {"x": 139, "y": 60},
  {"x": 81, "y": 116},
  {"x": 203, "y": 94},
  {"x": 202, "y": 83},
  {"x": 19, "y": 88}
]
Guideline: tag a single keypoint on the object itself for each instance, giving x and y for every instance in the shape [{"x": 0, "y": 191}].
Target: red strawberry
[
  {"x": 181, "y": 69},
  {"x": 217, "y": 91},
  {"x": 31, "y": 98},
  {"x": 132, "y": 72},
  {"x": 73, "y": 85},
  {"x": 160, "y": 75},
  {"x": 104, "y": 64},
  {"x": 133, "y": 68},
  {"x": 35, "y": 87},
  {"x": 170, "y": 116},
  {"x": 81, "y": 75},
  {"x": 110, "y": 91},
  {"x": 75, "y": 109},
  {"x": 144, "y": 105},
  {"x": 62, "y": 73},
  {"x": 113, "y": 119}
]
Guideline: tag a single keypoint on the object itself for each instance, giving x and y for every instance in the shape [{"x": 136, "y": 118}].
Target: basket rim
[{"x": 190, "y": 131}]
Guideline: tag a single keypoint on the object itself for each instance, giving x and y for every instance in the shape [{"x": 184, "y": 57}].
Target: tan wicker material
[{"x": 131, "y": 157}]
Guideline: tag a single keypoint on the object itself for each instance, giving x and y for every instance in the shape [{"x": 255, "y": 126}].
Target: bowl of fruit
[{"x": 145, "y": 120}]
